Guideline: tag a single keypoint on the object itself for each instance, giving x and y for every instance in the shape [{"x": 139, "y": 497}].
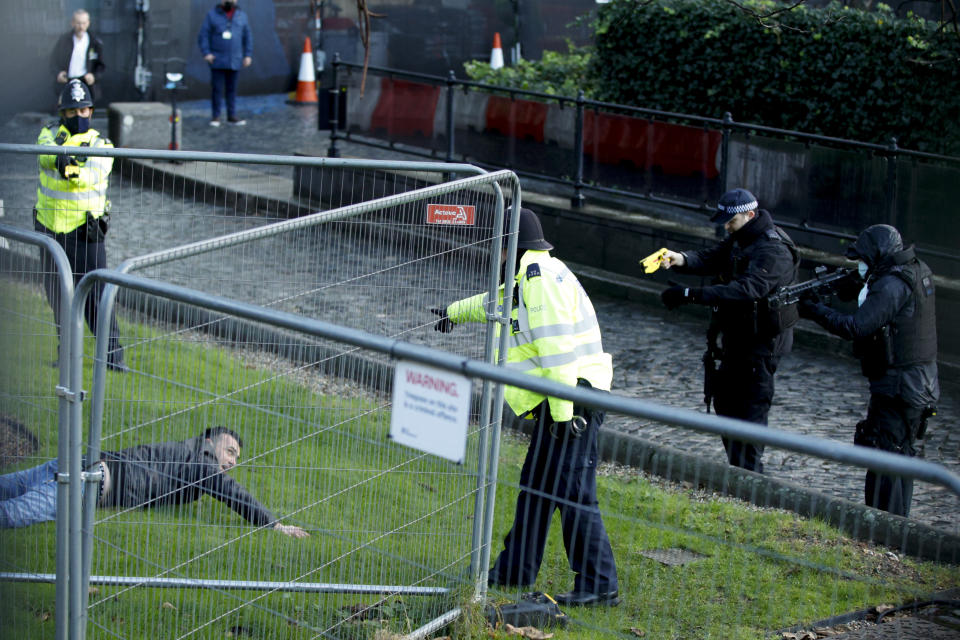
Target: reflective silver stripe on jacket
[
  {"x": 100, "y": 192},
  {"x": 528, "y": 335},
  {"x": 101, "y": 164},
  {"x": 563, "y": 329},
  {"x": 557, "y": 359}
]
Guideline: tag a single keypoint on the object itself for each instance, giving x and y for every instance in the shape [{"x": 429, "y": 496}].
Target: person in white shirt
[{"x": 78, "y": 54}]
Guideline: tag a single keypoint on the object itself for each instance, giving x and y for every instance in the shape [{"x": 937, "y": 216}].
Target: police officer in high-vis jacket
[
  {"x": 894, "y": 335},
  {"x": 72, "y": 204},
  {"x": 554, "y": 335}
]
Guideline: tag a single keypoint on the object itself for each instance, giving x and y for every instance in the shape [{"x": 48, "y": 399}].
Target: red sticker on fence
[{"x": 450, "y": 214}]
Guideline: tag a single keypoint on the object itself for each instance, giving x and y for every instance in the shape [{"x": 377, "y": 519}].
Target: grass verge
[{"x": 318, "y": 455}]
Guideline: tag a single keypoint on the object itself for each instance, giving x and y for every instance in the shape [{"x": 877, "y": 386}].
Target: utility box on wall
[{"x": 142, "y": 125}]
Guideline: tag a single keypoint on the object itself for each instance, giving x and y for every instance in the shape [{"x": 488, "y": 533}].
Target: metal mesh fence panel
[
  {"x": 389, "y": 528},
  {"x": 380, "y": 272},
  {"x": 392, "y": 531},
  {"x": 30, "y": 443},
  {"x": 691, "y": 561},
  {"x": 161, "y": 200}
]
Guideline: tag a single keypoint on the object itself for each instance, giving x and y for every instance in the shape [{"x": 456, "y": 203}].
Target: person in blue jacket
[{"x": 227, "y": 45}]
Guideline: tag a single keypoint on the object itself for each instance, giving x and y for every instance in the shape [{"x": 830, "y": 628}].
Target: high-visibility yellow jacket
[
  {"x": 553, "y": 334},
  {"x": 63, "y": 203}
]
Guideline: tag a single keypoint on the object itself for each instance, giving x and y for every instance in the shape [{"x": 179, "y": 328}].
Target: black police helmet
[
  {"x": 875, "y": 243},
  {"x": 733, "y": 202},
  {"x": 75, "y": 95},
  {"x": 530, "y": 233}
]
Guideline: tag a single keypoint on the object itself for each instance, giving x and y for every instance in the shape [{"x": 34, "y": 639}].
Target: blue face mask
[
  {"x": 862, "y": 268},
  {"x": 76, "y": 124}
]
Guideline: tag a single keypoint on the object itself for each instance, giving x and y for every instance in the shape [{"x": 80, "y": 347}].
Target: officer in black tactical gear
[
  {"x": 746, "y": 335},
  {"x": 894, "y": 335}
]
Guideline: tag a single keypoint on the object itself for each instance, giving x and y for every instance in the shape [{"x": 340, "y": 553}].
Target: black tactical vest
[
  {"x": 766, "y": 321},
  {"x": 914, "y": 338},
  {"x": 907, "y": 339}
]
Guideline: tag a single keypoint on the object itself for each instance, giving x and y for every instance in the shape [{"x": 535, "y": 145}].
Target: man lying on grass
[{"x": 146, "y": 476}]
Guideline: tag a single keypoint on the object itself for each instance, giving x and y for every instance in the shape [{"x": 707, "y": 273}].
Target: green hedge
[
  {"x": 556, "y": 73},
  {"x": 835, "y": 71}
]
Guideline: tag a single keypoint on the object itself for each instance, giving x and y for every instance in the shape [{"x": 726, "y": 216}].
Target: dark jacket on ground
[
  {"x": 228, "y": 53},
  {"x": 60, "y": 59},
  {"x": 173, "y": 473},
  {"x": 749, "y": 265}
]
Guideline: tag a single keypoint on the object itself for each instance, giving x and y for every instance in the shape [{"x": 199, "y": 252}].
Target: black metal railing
[{"x": 890, "y": 154}]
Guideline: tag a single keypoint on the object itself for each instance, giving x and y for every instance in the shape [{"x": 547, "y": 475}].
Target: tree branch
[{"x": 364, "y": 14}]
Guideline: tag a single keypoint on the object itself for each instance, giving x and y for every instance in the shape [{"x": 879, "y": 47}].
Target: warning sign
[
  {"x": 451, "y": 214},
  {"x": 431, "y": 409}
]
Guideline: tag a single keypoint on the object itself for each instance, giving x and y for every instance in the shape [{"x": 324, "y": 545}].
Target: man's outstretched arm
[
  {"x": 291, "y": 530},
  {"x": 234, "y": 495}
]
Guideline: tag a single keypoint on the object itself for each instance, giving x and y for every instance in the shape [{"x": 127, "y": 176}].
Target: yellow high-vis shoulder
[{"x": 553, "y": 332}]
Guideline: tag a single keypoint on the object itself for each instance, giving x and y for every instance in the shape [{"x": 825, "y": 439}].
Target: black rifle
[
  {"x": 710, "y": 368},
  {"x": 790, "y": 294}
]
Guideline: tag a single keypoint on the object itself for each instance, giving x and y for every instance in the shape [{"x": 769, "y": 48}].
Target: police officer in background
[
  {"x": 746, "y": 335},
  {"x": 554, "y": 335},
  {"x": 72, "y": 205},
  {"x": 894, "y": 335}
]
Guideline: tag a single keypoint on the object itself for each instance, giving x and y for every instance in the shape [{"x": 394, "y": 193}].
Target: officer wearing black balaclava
[
  {"x": 894, "y": 335},
  {"x": 72, "y": 205}
]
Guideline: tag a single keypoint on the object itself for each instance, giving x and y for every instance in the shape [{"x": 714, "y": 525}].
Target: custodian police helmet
[{"x": 75, "y": 95}]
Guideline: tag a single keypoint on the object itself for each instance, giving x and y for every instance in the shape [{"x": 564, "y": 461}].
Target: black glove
[
  {"x": 808, "y": 308},
  {"x": 64, "y": 161},
  {"x": 676, "y": 296},
  {"x": 848, "y": 288},
  {"x": 444, "y": 324}
]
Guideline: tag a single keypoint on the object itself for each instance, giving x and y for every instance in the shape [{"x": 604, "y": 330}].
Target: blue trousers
[
  {"x": 29, "y": 496},
  {"x": 84, "y": 256},
  {"x": 559, "y": 472},
  {"x": 228, "y": 78}
]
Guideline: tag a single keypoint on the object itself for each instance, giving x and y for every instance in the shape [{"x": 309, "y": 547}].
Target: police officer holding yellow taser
[
  {"x": 746, "y": 334},
  {"x": 554, "y": 335},
  {"x": 72, "y": 205}
]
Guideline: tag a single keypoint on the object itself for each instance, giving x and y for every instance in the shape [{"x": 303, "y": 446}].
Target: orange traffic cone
[
  {"x": 496, "y": 54},
  {"x": 306, "y": 79}
]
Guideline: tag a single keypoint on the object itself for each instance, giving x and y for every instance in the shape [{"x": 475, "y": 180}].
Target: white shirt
[{"x": 78, "y": 60}]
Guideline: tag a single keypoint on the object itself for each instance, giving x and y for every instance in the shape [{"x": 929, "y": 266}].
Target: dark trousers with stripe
[
  {"x": 559, "y": 472},
  {"x": 83, "y": 257}
]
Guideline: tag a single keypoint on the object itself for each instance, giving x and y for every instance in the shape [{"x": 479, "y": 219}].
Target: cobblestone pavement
[{"x": 656, "y": 353}]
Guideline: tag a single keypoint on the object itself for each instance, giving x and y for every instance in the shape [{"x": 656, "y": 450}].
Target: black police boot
[
  {"x": 588, "y": 599},
  {"x": 115, "y": 361}
]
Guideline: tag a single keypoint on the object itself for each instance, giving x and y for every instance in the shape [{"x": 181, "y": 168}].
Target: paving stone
[{"x": 901, "y": 629}]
